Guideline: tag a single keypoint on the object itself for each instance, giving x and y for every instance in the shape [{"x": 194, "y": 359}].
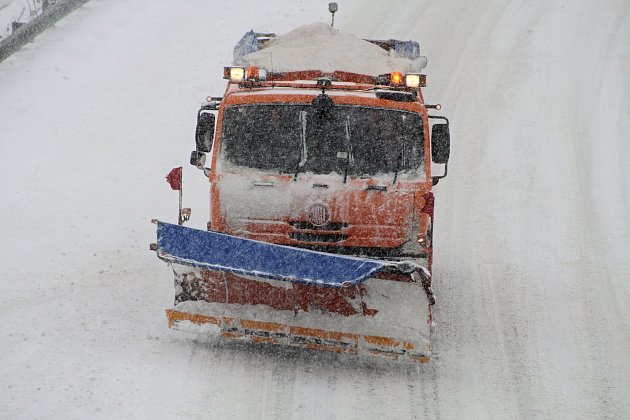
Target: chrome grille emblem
[{"x": 318, "y": 215}]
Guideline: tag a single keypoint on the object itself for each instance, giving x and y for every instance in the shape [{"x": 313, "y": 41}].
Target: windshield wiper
[
  {"x": 400, "y": 158},
  {"x": 349, "y": 151},
  {"x": 302, "y": 159},
  {"x": 297, "y": 169}
]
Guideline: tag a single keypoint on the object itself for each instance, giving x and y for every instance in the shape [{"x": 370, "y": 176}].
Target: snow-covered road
[{"x": 532, "y": 267}]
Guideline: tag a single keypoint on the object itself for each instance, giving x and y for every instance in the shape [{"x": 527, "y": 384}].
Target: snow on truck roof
[{"x": 319, "y": 46}]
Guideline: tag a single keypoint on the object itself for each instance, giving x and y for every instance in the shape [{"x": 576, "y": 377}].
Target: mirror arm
[{"x": 439, "y": 117}]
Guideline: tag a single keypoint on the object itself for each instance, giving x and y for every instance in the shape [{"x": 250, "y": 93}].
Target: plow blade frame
[{"x": 255, "y": 291}]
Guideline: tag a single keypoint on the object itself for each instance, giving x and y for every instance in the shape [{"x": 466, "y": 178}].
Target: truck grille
[{"x": 309, "y": 226}]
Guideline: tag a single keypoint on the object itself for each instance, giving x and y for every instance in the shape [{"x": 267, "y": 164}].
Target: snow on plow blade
[{"x": 251, "y": 290}]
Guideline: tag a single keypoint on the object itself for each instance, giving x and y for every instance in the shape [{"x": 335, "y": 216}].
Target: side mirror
[
  {"x": 197, "y": 159},
  {"x": 440, "y": 143},
  {"x": 205, "y": 130}
]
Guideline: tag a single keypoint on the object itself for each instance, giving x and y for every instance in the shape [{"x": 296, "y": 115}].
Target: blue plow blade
[{"x": 221, "y": 252}]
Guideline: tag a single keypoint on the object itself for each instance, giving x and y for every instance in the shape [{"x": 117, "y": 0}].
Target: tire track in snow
[{"x": 500, "y": 73}]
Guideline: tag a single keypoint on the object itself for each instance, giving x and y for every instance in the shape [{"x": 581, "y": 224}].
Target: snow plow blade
[{"x": 257, "y": 291}]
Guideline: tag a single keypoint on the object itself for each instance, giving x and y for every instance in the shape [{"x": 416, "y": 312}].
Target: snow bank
[
  {"x": 319, "y": 46},
  {"x": 21, "y": 11}
]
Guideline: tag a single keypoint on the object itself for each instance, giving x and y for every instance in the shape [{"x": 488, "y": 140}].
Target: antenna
[{"x": 332, "y": 8}]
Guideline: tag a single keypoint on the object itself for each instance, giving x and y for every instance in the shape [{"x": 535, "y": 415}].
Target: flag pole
[
  {"x": 180, "y": 220},
  {"x": 174, "y": 178}
]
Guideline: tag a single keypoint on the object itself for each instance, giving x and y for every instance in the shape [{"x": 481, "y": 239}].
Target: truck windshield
[{"x": 359, "y": 141}]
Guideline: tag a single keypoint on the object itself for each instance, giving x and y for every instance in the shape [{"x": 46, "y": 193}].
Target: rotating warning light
[
  {"x": 252, "y": 73},
  {"x": 396, "y": 78}
]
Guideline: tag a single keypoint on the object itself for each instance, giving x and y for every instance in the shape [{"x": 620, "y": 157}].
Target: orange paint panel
[
  {"x": 264, "y": 326},
  {"x": 325, "y": 335},
  {"x": 381, "y": 341},
  {"x": 408, "y": 346},
  {"x": 174, "y": 316}
]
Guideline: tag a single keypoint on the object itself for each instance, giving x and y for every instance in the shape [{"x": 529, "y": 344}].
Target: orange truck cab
[{"x": 335, "y": 162}]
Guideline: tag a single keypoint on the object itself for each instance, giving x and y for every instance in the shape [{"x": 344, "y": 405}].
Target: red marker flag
[{"x": 174, "y": 178}]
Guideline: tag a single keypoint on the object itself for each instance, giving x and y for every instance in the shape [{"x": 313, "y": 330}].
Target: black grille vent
[{"x": 310, "y": 226}]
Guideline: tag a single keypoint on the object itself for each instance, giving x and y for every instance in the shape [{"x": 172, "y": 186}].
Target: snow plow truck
[{"x": 319, "y": 158}]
